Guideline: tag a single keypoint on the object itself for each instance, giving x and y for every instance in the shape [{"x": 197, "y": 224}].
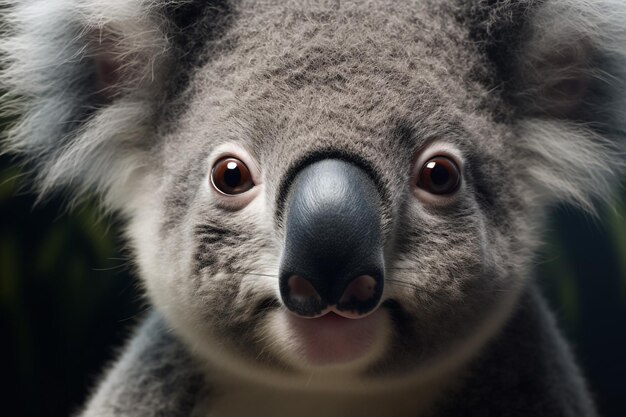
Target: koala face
[
  {"x": 338, "y": 209},
  {"x": 328, "y": 191}
]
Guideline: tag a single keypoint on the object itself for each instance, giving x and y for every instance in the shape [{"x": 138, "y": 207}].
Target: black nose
[{"x": 333, "y": 247}]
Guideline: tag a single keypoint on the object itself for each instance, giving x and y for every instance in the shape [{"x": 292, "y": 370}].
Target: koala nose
[{"x": 333, "y": 257}]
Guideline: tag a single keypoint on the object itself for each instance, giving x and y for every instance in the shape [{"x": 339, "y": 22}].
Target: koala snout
[{"x": 333, "y": 257}]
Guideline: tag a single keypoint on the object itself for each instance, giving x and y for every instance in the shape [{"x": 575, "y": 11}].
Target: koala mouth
[{"x": 332, "y": 339}]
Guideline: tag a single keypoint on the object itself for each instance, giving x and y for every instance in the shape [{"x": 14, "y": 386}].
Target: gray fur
[
  {"x": 154, "y": 376},
  {"x": 136, "y": 99}
]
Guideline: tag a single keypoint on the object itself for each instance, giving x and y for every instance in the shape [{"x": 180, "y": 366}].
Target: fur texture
[{"x": 136, "y": 100}]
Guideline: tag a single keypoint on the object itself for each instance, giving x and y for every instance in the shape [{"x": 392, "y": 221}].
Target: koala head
[{"x": 324, "y": 191}]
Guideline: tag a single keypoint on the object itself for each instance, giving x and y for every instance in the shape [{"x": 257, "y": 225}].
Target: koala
[{"x": 333, "y": 206}]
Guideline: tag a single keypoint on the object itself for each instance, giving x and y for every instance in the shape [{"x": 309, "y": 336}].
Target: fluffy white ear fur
[
  {"x": 76, "y": 73},
  {"x": 571, "y": 86}
]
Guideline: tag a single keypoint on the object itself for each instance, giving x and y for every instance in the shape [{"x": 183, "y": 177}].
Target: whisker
[
  {"x": 244, "y": 272},
  {"x": 411, "y": 285},
  {"x": 112, "y": 268}
]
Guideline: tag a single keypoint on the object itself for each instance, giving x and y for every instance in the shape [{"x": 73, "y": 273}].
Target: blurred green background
[{"x": 68, "y": 296}]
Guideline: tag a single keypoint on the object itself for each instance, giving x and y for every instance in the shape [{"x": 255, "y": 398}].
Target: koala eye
[
  {"x": 230, "y": 176},
  {"x": 439, "y": 175}
]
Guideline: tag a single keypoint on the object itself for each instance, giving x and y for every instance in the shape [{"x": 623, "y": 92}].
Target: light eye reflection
[
  {"x": 232, "y": 165},
  {"x": 431, "y": 165}
]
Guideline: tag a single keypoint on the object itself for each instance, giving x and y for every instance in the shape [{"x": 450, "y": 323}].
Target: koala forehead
[
  {"x": 360, "y": 62},
  {"x": 371, "y": 80}
]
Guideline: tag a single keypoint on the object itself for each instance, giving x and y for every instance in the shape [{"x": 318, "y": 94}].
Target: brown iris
[
  {"x": 439, "y": 175},
  {"x": 230, "y": 176}
]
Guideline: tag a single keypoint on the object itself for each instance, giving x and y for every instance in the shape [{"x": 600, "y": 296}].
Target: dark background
[{"x": 68, "y": 296}]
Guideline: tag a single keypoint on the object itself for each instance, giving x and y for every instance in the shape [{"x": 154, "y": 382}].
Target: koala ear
[
  {"x": 571, "y": 61},
  {"x": 561, "y": 65},
  {"x": 80, "y": 79}
]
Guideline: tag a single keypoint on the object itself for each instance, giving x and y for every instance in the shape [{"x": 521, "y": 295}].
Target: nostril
[
  {"x": 301, "y": 297},
  {"x": 361, "y": 289},
  {"x": 360, "y": 297},
  {"x": 302, "y": 291}
]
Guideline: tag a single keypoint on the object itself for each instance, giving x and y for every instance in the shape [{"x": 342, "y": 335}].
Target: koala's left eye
[
  {"x": 230, "y": 176},
  {"x": 439, "y": 175}
]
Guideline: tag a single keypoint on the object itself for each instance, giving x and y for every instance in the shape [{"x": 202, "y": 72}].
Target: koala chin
[{"x": 333, "y": 206}]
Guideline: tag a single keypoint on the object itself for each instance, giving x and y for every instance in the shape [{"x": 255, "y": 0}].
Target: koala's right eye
[
  {"x": 440, "y": 175},
  {"x": 230, "y": 176}
]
